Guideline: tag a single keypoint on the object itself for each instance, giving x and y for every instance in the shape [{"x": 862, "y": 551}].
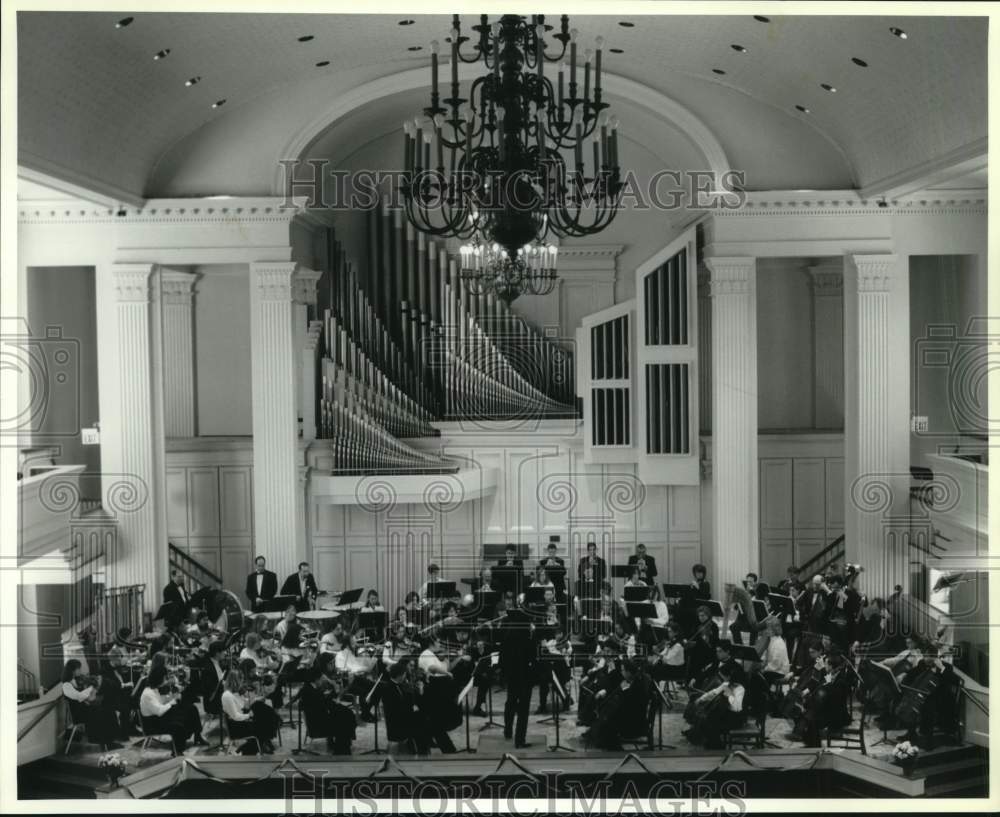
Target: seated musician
[
  {"x": 542, "y": 579},
  {"x": 717, "y": 710},
  {"x": 116, "y": 688},
  {"x": 826, "y": 708},
  {"x": 405, "y": 723},
  {"x": 412, "y": 603},
  {"x": 555, "y": 656},
  {"x": 372, "y": 603},
  {"x": 700, "y": 647},
  {"x": 356, "y": 670},
  {"x": 252, "y": 650},
  {"x": 805, "y": 683},
  {"x": 667, "y": 662},
  {"x": 89, "y": 707},
  {"x": 870, "y": 630},
  {"x": 723, "y": 658},
  {"x": 509, "y": 571},
  {"x": 325, "y": 716},
  {"x": 212, "y": 678},
  {"x": 163, "y": 712},
  {"x": 621, "y": 709},
  {"x": 776, "y": 664},
  {"x": 701, "y": 591},
  {"x": 330, "y": 640},
  {"x": 485, "y": 584},
  {"x": 937, "y": 707},
  {"x": 248, "y": 717},
  {"x": 282, "y": 628},
  {"x": 635, "y": 577},
  {"x": 395, "y": 650},
  {"x": 603, "y": 674},
  {"x": 883, "y": 694},
  {"x": 433, "y": 577}
]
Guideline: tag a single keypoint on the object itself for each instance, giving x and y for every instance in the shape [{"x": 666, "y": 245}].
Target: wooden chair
[
  {"x": 234, "y": 745},
  {"x": 150, "y": 736},
  {"x": 72, "y": 726},
  {"x": 851, "y": 736},
  {"x": 751, "y": 734}
]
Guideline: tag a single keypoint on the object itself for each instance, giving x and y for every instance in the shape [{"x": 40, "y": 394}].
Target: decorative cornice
[
  {"x": 875, "y": 272},
  {"x": 850, "y": 203},
  {"x": 131, "y": 282},
  {"x": 273, "y": 279},
  {"x": 304, "y": 285},
  {"x": 827, "y": 280},
  {"x": 734, "y": 275},
  {"x": 177, "y": 288},
  {"x": 242, "y": 210}
]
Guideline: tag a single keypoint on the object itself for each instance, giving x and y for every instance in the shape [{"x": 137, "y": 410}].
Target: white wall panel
[
  {"x": 203, "y": 501},
  {"x": 236, "y": 500},
  {"x": 776, "y": 494},
  {"x": 177, "y": 503},
  {"x": 809, "y": 493}
]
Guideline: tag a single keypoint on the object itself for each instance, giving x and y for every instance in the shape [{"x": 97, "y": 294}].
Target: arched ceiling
[{"x": 96, "y": 109}]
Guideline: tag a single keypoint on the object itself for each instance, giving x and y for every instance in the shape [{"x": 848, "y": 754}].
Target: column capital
[
  {"x": 177, "y": 287},
  {"x": 875, "y": 272},
  {"x": 732, "y": 275},
  {"x": 273, "y": 279},
  {"x": 132, "y": 282},
  {"x": 304, "y": 283},
  {"x": 827, "y": 280}
]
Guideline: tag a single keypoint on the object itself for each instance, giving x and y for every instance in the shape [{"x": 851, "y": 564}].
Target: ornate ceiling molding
[{"x": 851, "y": 203}]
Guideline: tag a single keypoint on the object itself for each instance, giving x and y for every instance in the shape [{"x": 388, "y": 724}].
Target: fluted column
[
  {"x": 735, "y": 541},
  {"x": 177, "y": 292},
  {"x": 828, "y": 345},
  {"x": 131, "y": 485},
  {"x": 275, "y": 423},
  {"x": 704, "y": 349},
  {"x": 874, "y": 482}
]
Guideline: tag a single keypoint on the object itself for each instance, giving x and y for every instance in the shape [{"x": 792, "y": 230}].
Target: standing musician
[
  {"x": 302, "y": 585},
  {"x": 509, "y": 571},
  {"x": 701, "y": 591},
  {"x": 175, "y": 592},
  {"x": 89, "y": 706},
  {"x": 262, "y": 584},
  {"x": 163, "y": 711},
  {"x": 248, "y": 716},
  {"x": 555, "y": 568},
  {"x": 645, "y": 563},
  {"x": 591, "y": 573}
]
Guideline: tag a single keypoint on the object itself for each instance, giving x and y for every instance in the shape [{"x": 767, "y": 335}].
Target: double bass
[{"x": 924, "y": 681}]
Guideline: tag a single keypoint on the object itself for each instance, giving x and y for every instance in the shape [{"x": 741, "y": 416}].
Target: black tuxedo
[
  {"x": 292, "y": 587},
  {"x": 268, "y": 587},
  {"x": 518, "y": 654},
  {"x": 211, "y": 687},
  {"x": 650, "y": 574},
  {"x": 599, "y": 573},
  {"x": 509, "y": 577},
  {"x": 172, "y": 593},
  {"x": 558, "y": 577}
]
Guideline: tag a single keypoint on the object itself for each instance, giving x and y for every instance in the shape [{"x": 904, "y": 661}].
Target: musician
[
  {"x": 645, "y": 563},
  {"x": 602, "y": 674},
  {"x": 518, "y": 654},
  {"x": 395, "y": 649},
  {"x": 555, "y": 656},
  {"x": 700, "y": 647},
  {"x": 356, "y": 668},
  {"x": 412, "y": 604},
  {"x": 509, "y": 571},
  {"x": 302, "y": 585},
  {"x": 248, "y": 717},
  {"x": 621, "y": 709},
  {"x": 404, "y": 722},
  {"x": 372, "y": 604},
  {"x": 542, "y": 579},
  {"x": 88, "y": 705},
  {"x": 701, "y": 591},
  {"x": 776, "y": 663},
  {"x": 262, "y": 584},
  {"x": 591, "y": 572},
  {"x": 699, "y": 583},
  {"x": 163, "y": 711},
  {"x": 331, "y": 639},
  {"x": 717, "y": 710},
  {"x": 742, "y": 623},
  {"x": 813, "y": 605},
  {"x": 485, "y": 584},
  {"x": 872, "y": 624},
  {"x": 667, "y": 662},
  {"x": 262, "y": 660},
  {"x": 288, "y": 630},
  {"x": 791, "y": 577},
  {"x": 805, "y": 684},
  {"x": 827, "y": 707},
  {"x": 843, "y": 611},
  {"x": 555, "y": 568},
  {"x": 635, "y": 577},
  {"x": 175, "y": 592},
  {"x": 116, "y": 689}
]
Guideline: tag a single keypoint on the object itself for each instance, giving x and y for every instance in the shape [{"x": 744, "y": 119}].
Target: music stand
[
  {"x": 535, "y": 595},
  {"x": 283, "y": 678},
  {"x": 783, "y": 605},
  {"x": 373, "y": 620},
  {"x": 463, "y": 697},
  {"x": 637, "y": 594},
  {"x": 716, "y": 608},
  {"x": 559, "y": 696},
  {"x": 494, "y": 660},
  {"x": 349, "y": 597},
  {"x": 442, "y": 590},
  {"x": 378, "y": 702},
  {"x": 889, "y": 673},
  {"x": 640, "y": 609},
  {"x": 678, "y": 591},
  {"x": 621, "y": 571},
  {"x": 276, "y": 604},
  {"x": 665, "y": 697},
  {"x": 760, "y": 610}
]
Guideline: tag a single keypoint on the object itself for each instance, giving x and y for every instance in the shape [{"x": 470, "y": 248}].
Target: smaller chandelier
[{"x": 488, "y": 268}]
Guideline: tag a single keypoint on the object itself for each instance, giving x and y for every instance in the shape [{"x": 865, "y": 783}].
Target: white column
[
  {"x": 131, "y": 490},
  {"x": 735, "y": 540},
  {"x": 303, "y": 296},
  {"x": 275, "y": 433},
  {"x": 828, "y": 345},
  {"x": 178, "y": 353},
  {"x": 874, "y": 482},
  {"x": 704, "y": 349}
]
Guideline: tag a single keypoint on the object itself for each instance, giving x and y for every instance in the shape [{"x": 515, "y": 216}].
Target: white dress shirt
[
  {"x": 347, "y": 661},
  {"x": 260, "y": 584},
  {"x": 733, "y": 694},
  {"x": 675, "y": 655},
  {"x": 777, "y": 656},
  {"x": 151, "y": 704},
  {"x": 431, "y": 664},
  {"x": 232, "y": 705},
  {"x": 70, "y": 691}
]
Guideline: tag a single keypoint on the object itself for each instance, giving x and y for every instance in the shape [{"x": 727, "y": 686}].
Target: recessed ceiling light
[
  {"x": 616, "y": 50},
  {"x": 124, "y": 21},
  {"x": 739, "y": 48},
  {"x": 322, "y": 63},
  {"x": 306, "y": 38},
  {"x": 760, "y": 18},
  {"x": 192, "y": 81},
  {"x": 218, "y": 103},
  {"x": 415, "y": 48},
  {"x": 898, "y": 32},
  {"x": 159, "y": 55},
  {"x": 860, "y": 62},
  {"x": 406, "y": 22},
  {"x": 826, "y": 87},
  {"x": 626, "y": 24},
  {"x": 718, "y": 71},
  {"x": 802, "y": 108}
]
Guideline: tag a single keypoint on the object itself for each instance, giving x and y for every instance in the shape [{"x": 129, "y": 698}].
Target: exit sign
[{"x": 90, "y": 436}]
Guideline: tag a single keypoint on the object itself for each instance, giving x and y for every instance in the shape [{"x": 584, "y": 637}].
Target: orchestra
[{"x": 804, "y": 654}]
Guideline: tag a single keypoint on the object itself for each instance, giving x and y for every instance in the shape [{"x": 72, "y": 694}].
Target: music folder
[
  {"x": 621, "y": 571},
  {"x": 442, "y": 590},
  {"x": 637, "y": 593},
  {"x": 535, "y": 595},
  {"x": 372, "y": 620},
  {"x": 685, "y": 592},
  {"x": 350, "y": 597},
  {"x": 640, "y": 609},
  {"x": 715, "y": 608},
  {"x": 782, "y": 604},
  {"x": 745, "y": 653},
  {"x": 760, "y": 609}
]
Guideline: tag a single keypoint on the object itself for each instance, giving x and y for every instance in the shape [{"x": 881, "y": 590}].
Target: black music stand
[
  {"x": 378, "y": 702},
  {"x": 781, "y": 604},
  {"x": 283, "y": 678},
  {"x": 349, "y": 597},
  {"x": 558, "y": 697},
  {"x": 636, "y": 593},
  {"x": 464, "y": 695},
  {"x": 535, "y": 596},
  {"x": 678, "y": 591},
  {"x": 373, "y": 620},
  {"x": 276, "y": 604},
  {"x": 885, "y": 739},
  {"x": 715, "y": 607},
  {"x": 485, "y": 603},
  {"x": 640, "y": 609},
  {"x": 298, "y": 698},
  {"x": 494, "y": 659},
  {"x": 668, "y": 702},
  {"x": 760, "y": 610},
  {"x": 442, "y": 590}
]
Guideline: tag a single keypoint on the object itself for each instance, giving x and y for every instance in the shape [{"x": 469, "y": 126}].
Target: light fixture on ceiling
[
  {"x": 626, "y": 24},
  {"x": 528, "y": 155},
  {"x": 760, "y": 18},
  {"x": 160, "y": 55},
  {"x": 322, "y": 63},
  {"x": 124, "y": 21},
  {"x": 718, "y": 71},
  {"x": 898, "y": 32},
  {"x": 860, "y": 62},
  {"x": 218, "y": 103},
  {"x": 738, "y": 47},
  {"x": 415, "y": 48},
  {"x": 406, "y": 22},
  {"x": 306, "y": 38},
  {"x": 827, "y": 87},
  {"x": 193, "y": 81},
  {"x": 802, "y": 108},
  {"x": 489, "y": 268}
]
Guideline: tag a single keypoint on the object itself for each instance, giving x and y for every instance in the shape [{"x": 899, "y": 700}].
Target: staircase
[
  {"x": 954, "y": 771},
  {"x": 194, "y": 571},
  {"x": 832, "y": 553}
]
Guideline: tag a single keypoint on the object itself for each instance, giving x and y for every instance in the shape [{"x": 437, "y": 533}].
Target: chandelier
[
  {"x": 521, "y": 156},
  {"x": 489, "y": 268}
]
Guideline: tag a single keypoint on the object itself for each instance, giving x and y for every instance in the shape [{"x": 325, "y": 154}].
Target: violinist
[
  {"x": 116, "y": 689},
  {"x": 325, "y": 716},
  {"x": 254, "y": 650},
  {"x": 212, "y": 677},
  {"x": 356, "y": 669},
  {"x": 791, "y": 578},
  {"x": 162, "y": 711},
  {"x": 645, "y": 563},
  {"x": 776, "y": 664},
  {"x": 667, "y": 659},
  {"x": 331, "y": 639},
  {"x": 405, "y": 723},
  {"x": 394, "y": 650},
  {"x": 263, "y": 664},
  {"x": 288, "y": 633},
  {"x": 88, "y": 705},
  {"x": 372, "y": 603},
  {"x": 700, "y": 647},
  {"x": 603, "y": 674},
  {"x": 717, "y": 710},
  {"x": 247, "y": 715},
  {"x": 433, "y": 577},
  {"x": 843, "y": 612},
  {"x": 555, "y": 657}
]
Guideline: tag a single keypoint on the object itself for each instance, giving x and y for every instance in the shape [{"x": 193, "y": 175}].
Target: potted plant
[
  {"x": 114, "y": 766},
  {"x": 905, "y": 755}
]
